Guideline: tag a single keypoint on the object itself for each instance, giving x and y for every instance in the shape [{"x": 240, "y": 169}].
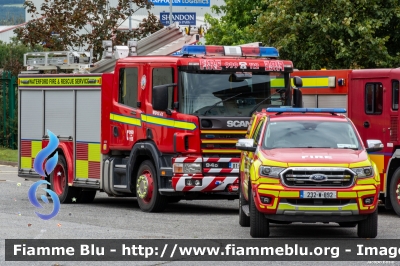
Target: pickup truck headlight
[
  {"x": 363, "y": 172},
  {"x": 270, "y": 171},
  {"x": 187, "y": 168}
]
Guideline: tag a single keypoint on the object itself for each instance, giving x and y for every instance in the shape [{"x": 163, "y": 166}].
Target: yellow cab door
[{"x": 248, "y": 157}]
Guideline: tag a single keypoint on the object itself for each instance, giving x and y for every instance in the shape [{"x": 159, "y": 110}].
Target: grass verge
[{"x": 8, "y": 155}]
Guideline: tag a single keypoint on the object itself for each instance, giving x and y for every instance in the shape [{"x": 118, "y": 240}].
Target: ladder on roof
[{"x": 163, "y": 42}]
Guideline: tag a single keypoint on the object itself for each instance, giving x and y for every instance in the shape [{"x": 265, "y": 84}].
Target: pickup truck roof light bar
[
  {"x": 307, "y": 110},
  {"x": 220, "y": 50}
]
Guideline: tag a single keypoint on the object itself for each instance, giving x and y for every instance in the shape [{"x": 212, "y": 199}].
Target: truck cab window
[
  {"x": 395, "y": 94},
  {"x": 128, "y": 86},
  {"x": 373, "y": 98},
  {"x": 162, "y": 76}
]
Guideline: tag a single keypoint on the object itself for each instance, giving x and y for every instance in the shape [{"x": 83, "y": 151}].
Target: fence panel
[{"x": 9, "y": 114}]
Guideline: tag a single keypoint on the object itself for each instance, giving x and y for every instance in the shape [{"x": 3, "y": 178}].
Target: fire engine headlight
[
  {"x": 363, "y": 172},
  {"x": 270, "y": 171},
  {"x": 187, "y": 168}
]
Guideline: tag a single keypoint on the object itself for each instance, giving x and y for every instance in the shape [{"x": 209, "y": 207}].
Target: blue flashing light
[
  {"x": 306, "y": 110},
  {"x": 193, "y": 49},
  {"x": 269, "y": 52}
]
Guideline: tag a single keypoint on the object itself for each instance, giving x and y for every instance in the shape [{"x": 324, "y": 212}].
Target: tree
[
  {"x": 327, "y": 34},
  {"x": 70, "y": 25},
  {"x": 12, "y": 55},
  {"x": 233, "y": 26}
]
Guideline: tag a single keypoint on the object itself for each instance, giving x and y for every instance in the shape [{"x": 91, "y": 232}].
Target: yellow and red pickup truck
[{"x": 307, "y": 165}]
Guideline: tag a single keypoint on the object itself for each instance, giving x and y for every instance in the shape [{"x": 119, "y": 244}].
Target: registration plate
[
  {"x": 234, "y": 165},
  {"x": 304, "y": 194}
]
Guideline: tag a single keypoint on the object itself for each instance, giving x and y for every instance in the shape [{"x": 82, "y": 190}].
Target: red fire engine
[
  {"x": 371, "y": 97},
  {"x": 160, "y": 128}
]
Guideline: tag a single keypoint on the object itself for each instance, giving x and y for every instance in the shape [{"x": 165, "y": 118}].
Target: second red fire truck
[
  {"x": 159, "y": 128},
  {"x": 371, "y": 97}
]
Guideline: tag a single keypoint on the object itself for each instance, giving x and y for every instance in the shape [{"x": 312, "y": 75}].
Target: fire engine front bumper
[{"x": 201, "y": 183}]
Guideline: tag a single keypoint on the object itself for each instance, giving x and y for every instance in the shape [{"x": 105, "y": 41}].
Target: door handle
[
  {"x": 133, "y": 113},
  {"x": 366, "y": 124},
  {"x": 115, "y": 131}
]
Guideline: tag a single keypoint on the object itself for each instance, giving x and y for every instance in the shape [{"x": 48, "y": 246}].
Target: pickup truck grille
[{"x": 317, "y": 177}]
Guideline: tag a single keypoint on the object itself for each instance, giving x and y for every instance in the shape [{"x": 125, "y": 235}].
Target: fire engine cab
[
  {"x": 371, "y": 97},
  {"x": 158, "y": 127}
]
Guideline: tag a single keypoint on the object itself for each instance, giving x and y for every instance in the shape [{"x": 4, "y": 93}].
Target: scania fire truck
[
  {"x": 371, "y": 97},
  {"x": 158, "y": 127}
]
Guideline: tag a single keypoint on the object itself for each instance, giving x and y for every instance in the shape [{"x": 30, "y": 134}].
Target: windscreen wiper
[
  {"x": 215, "y": 104},
  {"x": 255, "y": 107}
]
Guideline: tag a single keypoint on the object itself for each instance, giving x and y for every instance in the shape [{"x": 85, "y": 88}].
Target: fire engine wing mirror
[
  {"x": 246, "y": 145},
  {"x": 297, "y": 82},
  {"x": 374, "y": 145},
  {"x": 239, "y": 77},
  {"x": 160, "y": 97}
]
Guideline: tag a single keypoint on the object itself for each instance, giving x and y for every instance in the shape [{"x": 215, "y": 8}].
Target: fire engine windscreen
[
  {"x": 210, "y": 93},
  {"x": 310, "y": 134}
]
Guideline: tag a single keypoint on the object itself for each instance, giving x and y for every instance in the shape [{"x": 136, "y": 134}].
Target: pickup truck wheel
[
  {"x": 259, "y": 225},
  {"x": 59, "y": 182},
  {"x": 148, "y": 197},
  {"x": 244, "y": 220},
  {"x": 368, "y": 228},
  {"x": 348, "y": 224},
  {"x": 394, "y": 189}
]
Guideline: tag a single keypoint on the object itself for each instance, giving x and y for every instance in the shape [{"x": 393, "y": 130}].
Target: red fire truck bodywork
[{"x": 371, "y": 97}]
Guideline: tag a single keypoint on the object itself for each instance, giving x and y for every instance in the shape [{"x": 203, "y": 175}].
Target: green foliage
[
  {"x": 62, "y": 25},
  {"x": 8, "y": 155},
  {"x": 316, "y": 34},
  {"x": 12, "y": 55}
]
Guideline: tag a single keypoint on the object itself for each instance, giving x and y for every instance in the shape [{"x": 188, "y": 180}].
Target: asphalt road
[{"x": 114, "y": 218}]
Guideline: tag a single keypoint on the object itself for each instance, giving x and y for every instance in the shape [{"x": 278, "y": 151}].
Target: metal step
[{"x": 245, "y": 209}]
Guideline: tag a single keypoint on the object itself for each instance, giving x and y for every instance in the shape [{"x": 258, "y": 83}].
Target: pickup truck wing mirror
[
  {"x": 246, "y": 145},
  {"x": 374, "y": 145}
]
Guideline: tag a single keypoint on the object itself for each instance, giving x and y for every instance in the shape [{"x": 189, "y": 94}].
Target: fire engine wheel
[
  {"x": 244, "y": 220},
  {"x": 368, "y": 228},
  {"x": 148, "y": 197},
  {"x": 394, "y": 189},
  {"x": 259, "y": 225},
  {"x": 59, "y": 182}
]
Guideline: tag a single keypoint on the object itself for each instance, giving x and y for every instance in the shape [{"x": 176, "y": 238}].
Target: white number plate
[
  {"x": 304, "y": 194},
  {"x": 234, "y": 165}
]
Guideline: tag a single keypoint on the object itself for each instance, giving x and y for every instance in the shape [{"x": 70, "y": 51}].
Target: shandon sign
[{"x": 181, "y": 17}]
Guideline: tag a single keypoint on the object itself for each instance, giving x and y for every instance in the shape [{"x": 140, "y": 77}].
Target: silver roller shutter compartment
[
  {"x": 31, "y": 114},
  {"x": 88, "y": 116},
  {"x": 59, "y": 112}
]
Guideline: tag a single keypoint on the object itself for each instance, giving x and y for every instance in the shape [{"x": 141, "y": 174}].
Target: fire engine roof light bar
[
  {"x": 306, "y": 110},
  {"x": 270, "y": 52}
]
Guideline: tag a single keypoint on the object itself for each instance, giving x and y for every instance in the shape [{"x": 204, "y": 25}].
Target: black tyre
[
  {"x": 148, "y": 197},
  {"x": 394, "y": 188},
  {"x": 87, "y": 196},
  {"x": 348, "y": 224},
  {"x": 368, "y": 228},
  {"x": 59, "y": 182},
  {"x": 244, "y": 220},
  {"x": 259, "y": 225}
]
